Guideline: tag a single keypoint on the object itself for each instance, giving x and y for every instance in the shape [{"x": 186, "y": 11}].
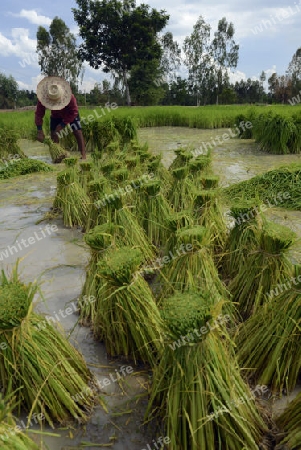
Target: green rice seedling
[
  {"x": 99, "y": 239},
  {"x": 180, "y": 194},
  {"x": 154, "y": 211},
  {"x": 12, "y": 437},
  {"x": 174, "y": 222},
  {"x": 125, "y": 216},
  {"x": 127, "y": 317},
  {"x": 268, "y": 342},
  {"x": 39, "y": 366},
  {"x": 72, "y": 199},
  {"x": 289, "y": 422},
  {"x": 71, "y": 161},
  {"x": 191, "y": 266},
  {"x": 96, "y": 191},
  {"x": 210, "y": 181},
  {"x": 57, "y": 152},
  {"x": 85, "y": 174},
  {"x": 182, "y": 159},
  {"x": 242, "y": 238},
  {"x": 280, "y": 187},
  {"x": 207, "y": 212},
  {"x": 9, "y": 145},
  {"x": 197, "y": 391},
  {"x": 264, "y": 267},
  {"x": 98, "y": 135},
  {"x": 276, "y": 134},
  {"x": 249, "y": 116},
  {"x": 126, "y": 127},
  {"x": 23, "y": 167}
]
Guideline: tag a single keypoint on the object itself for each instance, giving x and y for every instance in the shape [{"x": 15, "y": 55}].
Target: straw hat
[{"x": 54, "y": 92}]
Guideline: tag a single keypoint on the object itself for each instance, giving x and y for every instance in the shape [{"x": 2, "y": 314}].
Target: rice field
[{"x": 179, "y": 291}]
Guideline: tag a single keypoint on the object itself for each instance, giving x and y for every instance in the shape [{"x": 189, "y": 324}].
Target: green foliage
[
  {"x": 8, "y": 91},
  {"x": 24, "y": 167},
  {"x": 57, "y": 52},
  {"x": 9, "y": 148}
]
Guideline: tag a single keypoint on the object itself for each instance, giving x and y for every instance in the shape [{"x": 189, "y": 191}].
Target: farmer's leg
[
  {"x": 78, "y": 134},
  {"x": 53, "y": 124}
]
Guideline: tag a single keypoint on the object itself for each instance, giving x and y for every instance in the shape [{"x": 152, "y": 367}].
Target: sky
[{"x": 268, "y": 33}]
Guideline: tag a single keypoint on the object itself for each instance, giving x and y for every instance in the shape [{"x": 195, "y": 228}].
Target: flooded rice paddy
[{"x": 58, "y": 262}]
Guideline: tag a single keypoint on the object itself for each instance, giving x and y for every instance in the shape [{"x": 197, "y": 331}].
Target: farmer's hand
[
  {"x": 58, "y": 129},
  {"x": 40, "y": 136}
]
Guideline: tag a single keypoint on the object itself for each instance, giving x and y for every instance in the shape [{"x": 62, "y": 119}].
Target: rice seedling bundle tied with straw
[
  {"x": 268, "y": 342},
  {"x": 197, "y": 388},
  {"x": 264, "y": 267},
  {"x": 127, "y": 318},
  {"x": 289, "y": 422},
  {"x": 57, "y": 152},
  {"x": 39, "y": 366}
]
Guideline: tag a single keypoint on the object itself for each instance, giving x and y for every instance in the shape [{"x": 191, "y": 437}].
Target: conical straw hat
[{"x": 54, "y": 93}]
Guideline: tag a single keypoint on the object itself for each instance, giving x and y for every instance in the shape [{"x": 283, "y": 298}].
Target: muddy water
[{"x": 58, "y": 260}]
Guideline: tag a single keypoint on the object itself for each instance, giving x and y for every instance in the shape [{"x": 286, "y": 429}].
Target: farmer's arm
[{"x": 39, "y": 115}]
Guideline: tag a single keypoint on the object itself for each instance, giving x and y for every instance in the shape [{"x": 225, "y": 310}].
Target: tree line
[{"x": 128, "y": 42}]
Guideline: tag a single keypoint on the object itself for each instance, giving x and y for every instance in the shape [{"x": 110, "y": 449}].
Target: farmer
[{"x": 55, "y": 93}]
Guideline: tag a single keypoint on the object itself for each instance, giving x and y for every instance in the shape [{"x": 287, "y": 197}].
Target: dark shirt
[{"x": 67, "y": 114}]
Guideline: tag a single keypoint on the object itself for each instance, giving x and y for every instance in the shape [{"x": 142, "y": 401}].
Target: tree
[
  {"x": 294, "y": 72},
  {"x": 209, "y": 62},
  {"x": 171, "y": 57},
  {"x": 58, "y": 53},
  {"x": 8, "y": 91},
  {"x": 118, "y": 35},
  {"x": 224, "y": 51}
]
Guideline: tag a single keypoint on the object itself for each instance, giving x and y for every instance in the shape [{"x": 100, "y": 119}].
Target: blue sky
[{"x": 268, "y": 33}]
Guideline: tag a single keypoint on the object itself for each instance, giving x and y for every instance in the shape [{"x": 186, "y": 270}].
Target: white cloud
[{"x": 33, "y": 17}]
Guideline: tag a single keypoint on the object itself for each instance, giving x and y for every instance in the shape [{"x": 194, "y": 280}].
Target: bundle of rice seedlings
[
  {"x": 174, "y": 222},
  {"x": 85, "y": 174},
  {"x": 127, "y": 318},
  {"x": 280, "y": 187},
  {"x": 210, "y": 181},
  {"x": 96, "y": 191},
  {"x": 197, "y": 390},
  {"x": 269, "y": 341},
  {"x": 134, "y": 234},
  {"x": 180, "y": 194},
  {"x": 277, "y": 134},
  {"x": 9, "y": 145},
  {"x": 207, "y": 212},
  {"x": 57, "y": 152},
  {"x": 23, "y": 167},
  {"x": 155, "y": 209},
  {"x": 72, "y": 199},
  {"x": 183, "y": 157},
  {"x": 108, "y": 166},
  {"x": 126, "y": 127},
  {"x": 191, "y": 266},
  {"x": 289, "y": 422},
  {"x": 98, "y": 135},
  {"x": 71, "y": 161},
  {"x": 43, "y": 370},
  {"x": 243, "y": 236},
  {"x": 11, "y": 435},
  {"x": 99, "y": 239},
  {"x": 264, "y": 267}
]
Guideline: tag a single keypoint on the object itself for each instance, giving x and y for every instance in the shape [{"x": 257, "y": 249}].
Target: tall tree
[
  {"x": 117, "y": 35},
  {"x": 224, "y": 51},
  {"x": 209, "y": 62},
  {"x": 294, "y": 72},
  {"x": 58, "y": 53}
]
